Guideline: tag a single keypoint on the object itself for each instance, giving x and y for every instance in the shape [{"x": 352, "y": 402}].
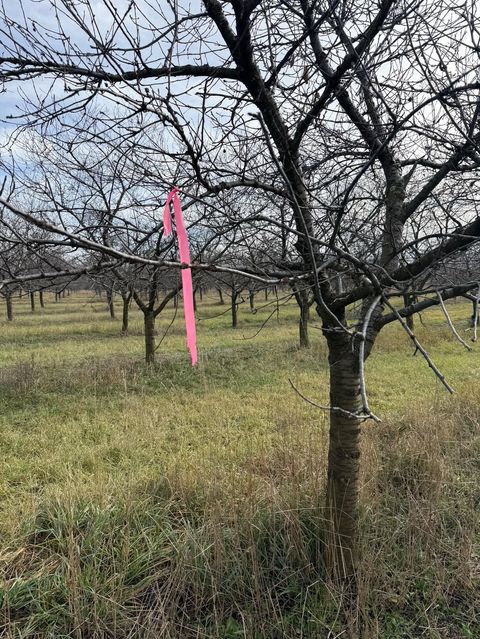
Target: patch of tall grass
[{"x": 165, "y": 502}]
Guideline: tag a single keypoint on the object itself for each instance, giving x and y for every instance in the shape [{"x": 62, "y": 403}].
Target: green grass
[{"x": 169, "y": 501}]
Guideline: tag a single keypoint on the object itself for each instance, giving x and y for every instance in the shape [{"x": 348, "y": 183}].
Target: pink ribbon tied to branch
[{"x": 187, "y": 285}]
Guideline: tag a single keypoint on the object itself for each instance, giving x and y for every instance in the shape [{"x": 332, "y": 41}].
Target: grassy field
[{"x": 170, "y": 502}]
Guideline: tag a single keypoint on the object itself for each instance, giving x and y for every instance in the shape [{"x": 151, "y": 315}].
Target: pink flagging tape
[{"x": 184, "y": 250}]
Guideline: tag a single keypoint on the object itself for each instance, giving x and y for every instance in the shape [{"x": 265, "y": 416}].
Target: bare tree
[{"x": 347, "y": 131}]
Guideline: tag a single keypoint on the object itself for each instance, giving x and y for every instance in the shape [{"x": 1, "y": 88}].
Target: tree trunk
[
  {"x": 126, "y": 303},
  {"x": 220, "y": 294},
  {"x": 234, "y": 309},
  {"x": 474, "y": 314},
  {"x": 407, "y": 300},
  {"x": 251, "y": 297},
  {"x": 303, "y": 322},
  {"x": 149, "y": 324},
  {"x": 343, "y": 457},
  {"x": 301, "y": 296},
  {"x": 57, "y": 296},
  {"x": 8, "y": 299},
  {"x": 110, "y": 304},
  {"x": 195, "y": 300},
  {"x": 201, "y": 293},
  {"x": 266, "y": 294},
  {"x": 32, "y": 301},
  {"x": 40, "y": 297}
]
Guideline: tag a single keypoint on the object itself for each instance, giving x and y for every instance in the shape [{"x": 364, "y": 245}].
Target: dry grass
[{"x": 174, "y": 503}]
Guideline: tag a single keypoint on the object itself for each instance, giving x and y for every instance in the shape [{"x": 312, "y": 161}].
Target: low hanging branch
[
  {"x": 43, "y": 275},
  {"x": 361, "y": 358},
  {"x": 330, "y": 409},
  {"x": 418, "y": 346},
  {"x": 475, "y": 315},
  {"x": 81, "y": 242},
  {"x": 450, "y": 323}
]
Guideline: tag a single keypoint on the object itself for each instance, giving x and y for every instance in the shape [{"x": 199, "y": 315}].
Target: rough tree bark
[
  {"x": 40, "y": 297},
  {"x": 32, "y": 301},
  {"x": 343, "y": 456}
]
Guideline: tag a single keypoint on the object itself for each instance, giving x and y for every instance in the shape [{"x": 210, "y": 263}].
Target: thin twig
[
  {"x": 330, "y": 409},
  {"x": 167, "y": 330},
  {"x": 265, "y": 322}
]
